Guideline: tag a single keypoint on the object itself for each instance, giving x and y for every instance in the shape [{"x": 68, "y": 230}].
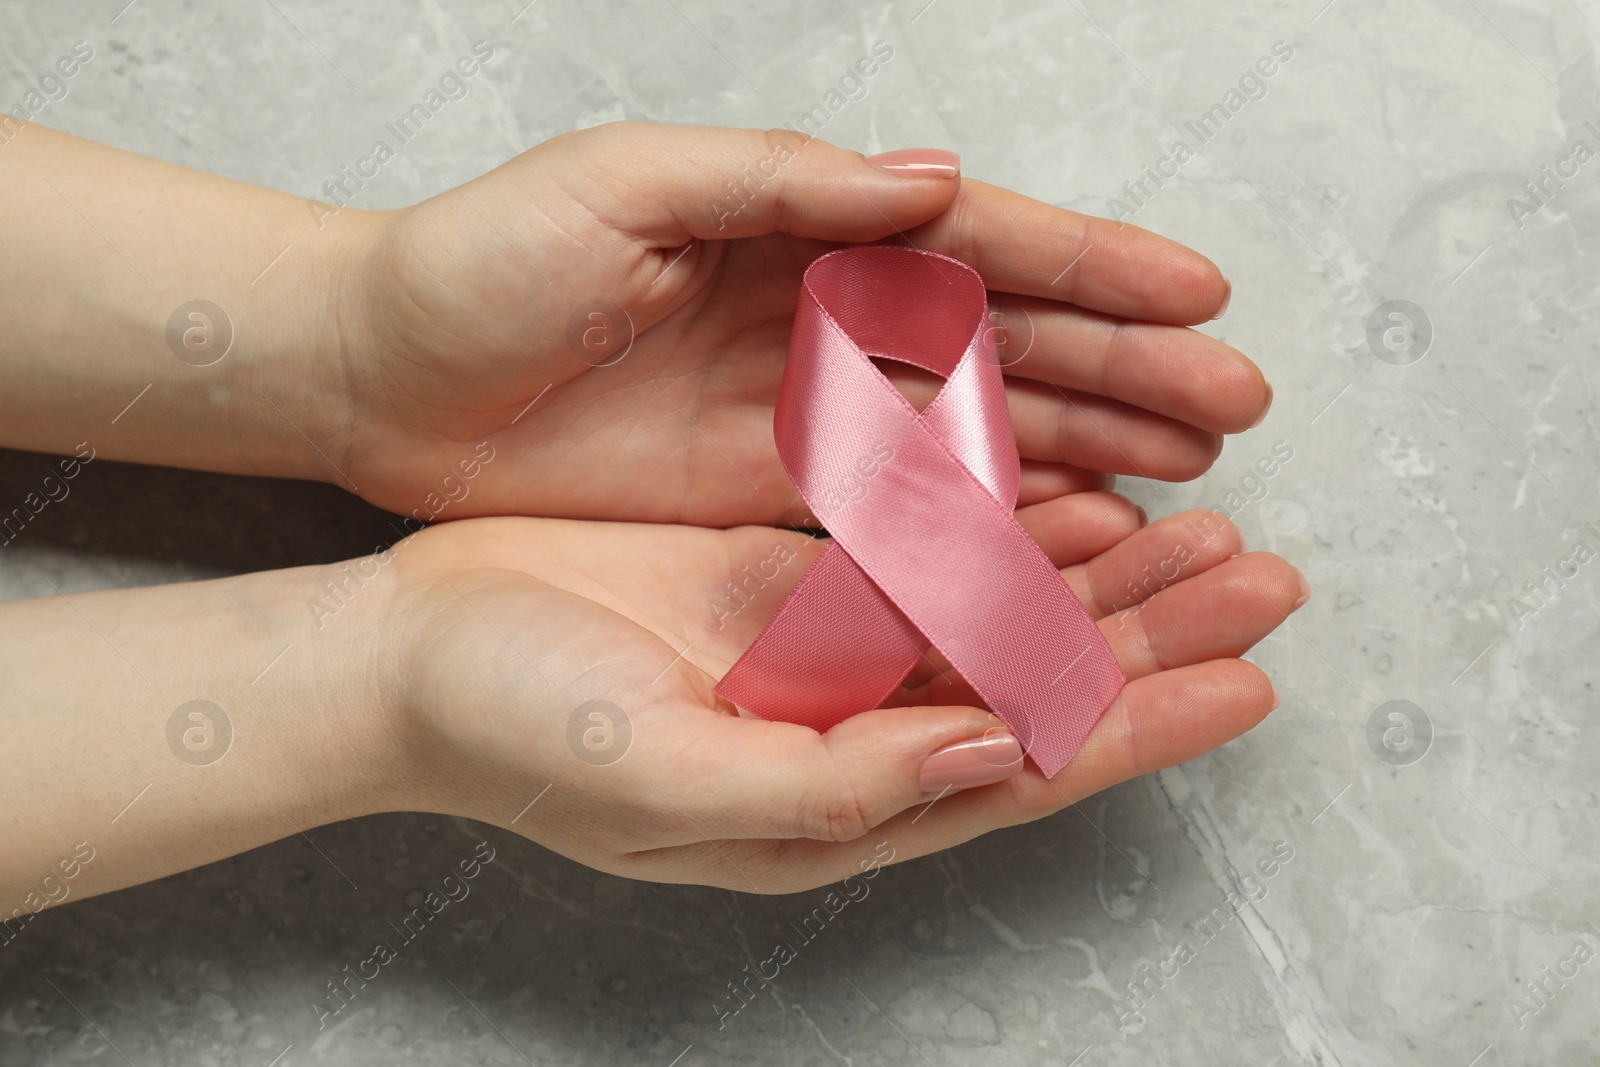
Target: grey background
[{"x": 1377, "y": 165}]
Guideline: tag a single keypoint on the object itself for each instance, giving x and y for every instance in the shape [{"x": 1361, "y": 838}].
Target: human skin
[
  {"x": 447, "y": 681},
  {"x": 380, "y": 349},
  {"x": 372, "y": 347}
]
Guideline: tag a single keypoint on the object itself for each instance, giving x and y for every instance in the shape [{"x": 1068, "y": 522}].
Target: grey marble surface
[{"x": 1438, "y": 861}]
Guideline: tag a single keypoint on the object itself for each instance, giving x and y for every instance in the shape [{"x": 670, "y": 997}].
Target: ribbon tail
[{"x": 837, "y": 646}]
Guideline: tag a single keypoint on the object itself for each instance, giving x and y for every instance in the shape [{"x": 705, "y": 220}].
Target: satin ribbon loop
[{"x": 925, "y": 547}]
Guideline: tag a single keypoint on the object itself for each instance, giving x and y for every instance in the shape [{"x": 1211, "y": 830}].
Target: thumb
[
  {"x": 774, "y": 780},
  {"x": 669, "y": 184}
]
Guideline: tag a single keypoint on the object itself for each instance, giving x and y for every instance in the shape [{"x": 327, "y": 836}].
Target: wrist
[
  {"x": 350, "y": 716},
  {"x": 201, "y": 719},
  {"x": 458, "y": 675},
  {"x": 319, "y": 322},
  {"x": 294, "y": 659},
  {"x": 208, "y": 333}
]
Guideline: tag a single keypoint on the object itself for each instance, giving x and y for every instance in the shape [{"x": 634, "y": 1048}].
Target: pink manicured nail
[
  {"x": 918, "y": 162},
  {"x": 984, "y": 760},
  {"x": 1227, "y": 296}
]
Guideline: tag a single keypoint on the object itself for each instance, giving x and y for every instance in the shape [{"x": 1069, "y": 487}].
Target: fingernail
[
  {"x": 1305, "y": 591},
  {"x": 1263, "y": 416},
  {"x": 918, "y": 162},
  {"x": 1276, "y": 700},
  {"x": 1227, "y": 296},
  {"x": 1144, "y": 516},
  {"x": 984, "y": 760}
]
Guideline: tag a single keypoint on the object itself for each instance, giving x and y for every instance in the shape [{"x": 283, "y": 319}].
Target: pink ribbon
[{"x": 925, "y": 546}]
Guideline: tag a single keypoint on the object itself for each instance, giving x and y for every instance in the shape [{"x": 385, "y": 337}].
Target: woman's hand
[
  {"x": 611, "y": 310},
  {"x": 482, "y": 666},
  {"x": 608, "y": 313},
  {"x": 556, "y": 678}
]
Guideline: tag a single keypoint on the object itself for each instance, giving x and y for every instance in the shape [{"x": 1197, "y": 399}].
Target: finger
[
  {"x": 669, "y": 184},
  {"x": 1156, "y": 722},
  {"x": 1072, "y": 529},
  {"x": 1054, "y": 425},
  {"x": 1170, "y": 370},
  {"x": 1168, "y": 551},
  {"x": 1021, "y": 245},
  {"x": 748, "y": 778},
  {"x": 1124, "y": 573},
  {"x": 1220, "y": 614},
  {"x": 1069, "y": 529},
  {"x": 1047, "y": 481},
  {"x": 1065, "y": 426}
]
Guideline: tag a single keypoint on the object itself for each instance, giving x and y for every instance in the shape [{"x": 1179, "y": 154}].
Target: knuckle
[
  {"x": 1121, "y": 366},
  {"x": 1139, "y": 645},
  {"x": 607, "y": 132},
  {"x": 965, "y": 228},
  {"x": 618, "y": 135},
  {"x": 1067, "y": 416},
  {"x": 778, "y": 140},
  {"x": 838, "y": 814},
  {"x": 776, "y": 147}
]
